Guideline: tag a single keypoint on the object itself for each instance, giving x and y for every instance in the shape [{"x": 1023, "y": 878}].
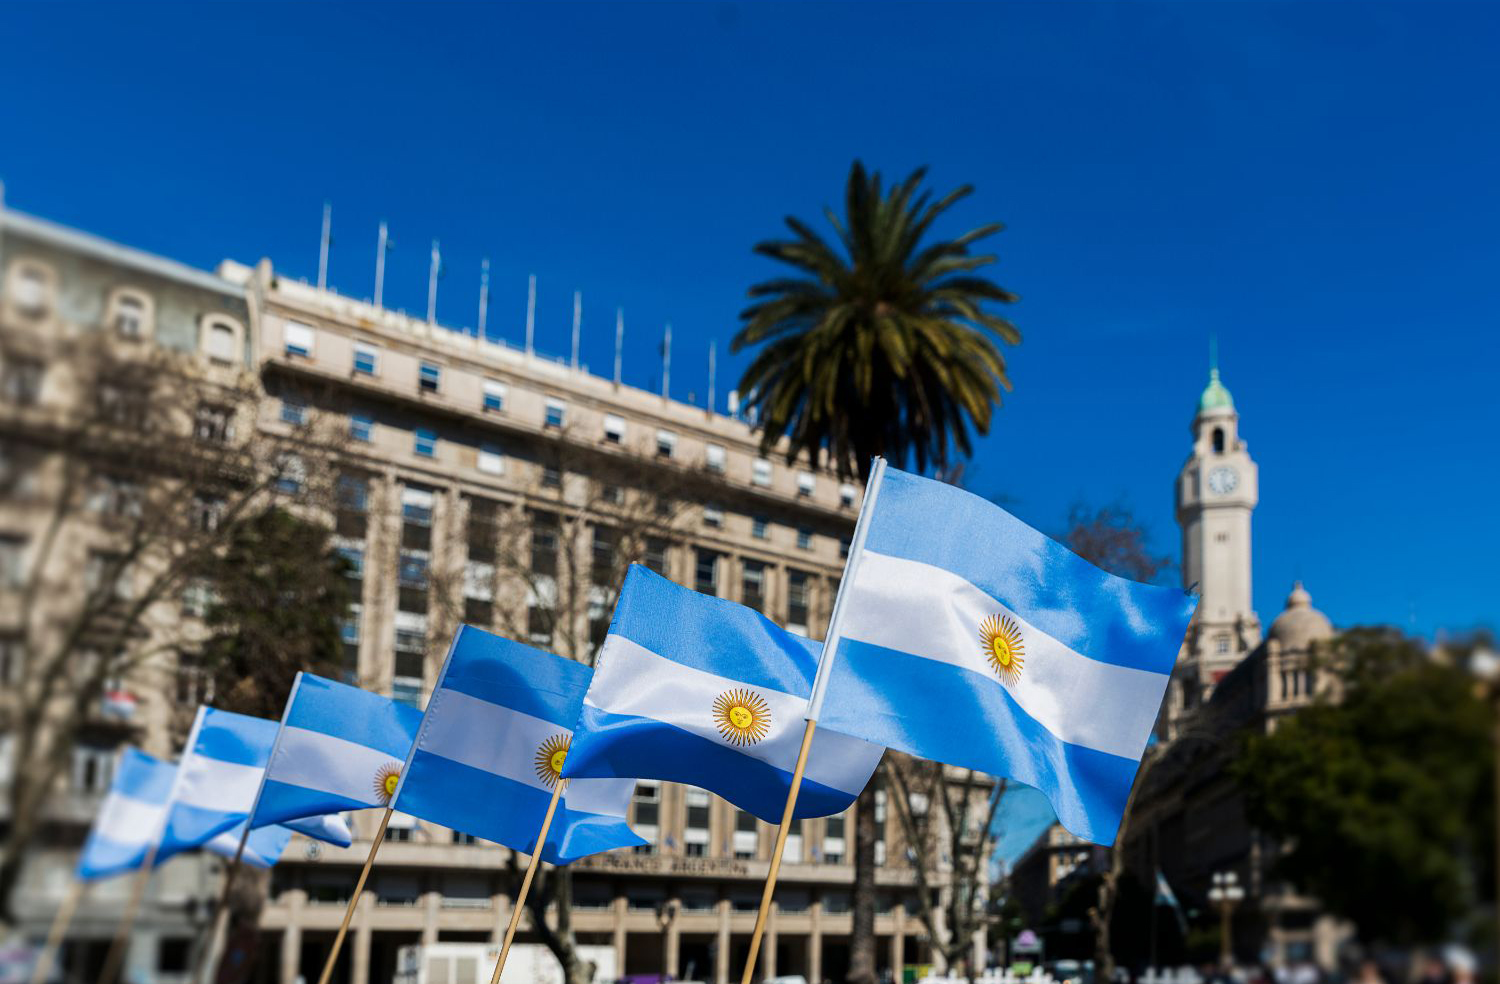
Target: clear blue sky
[{"x": 1315, "y": 183}]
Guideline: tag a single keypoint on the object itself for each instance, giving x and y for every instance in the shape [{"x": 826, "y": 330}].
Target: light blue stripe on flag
[
  {"x": 969, "y": 638},
  {"x": 485, "y": 760},
  {"x": 703, "y": 691},
  {"x": 340, "y": 748},
  {"x": 130, "y": 818}
]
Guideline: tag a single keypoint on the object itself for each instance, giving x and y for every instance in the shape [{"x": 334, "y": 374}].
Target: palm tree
[{"x": 880, "y": 345}]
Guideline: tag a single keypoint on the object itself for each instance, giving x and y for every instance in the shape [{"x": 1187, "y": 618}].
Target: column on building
[
  {"x": 364, "y": 916},
  {"x": 722, "y": 952},
  {"x": 815, "y": 941},
  {"x": 291, "y": 938}
]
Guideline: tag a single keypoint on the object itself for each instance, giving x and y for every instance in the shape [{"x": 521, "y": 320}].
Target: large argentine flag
[
  {"x": 339, "y": 748},
  {"x": 701, "y": 690},
  {"x": 491, "y": 748},
  {"x": 967, "y": 637},
  {"x": 219, "y": 777}
]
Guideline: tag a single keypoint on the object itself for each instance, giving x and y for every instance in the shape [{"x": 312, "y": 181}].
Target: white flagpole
[
  {"x": 323, "y": 246},
  {"x": 380, "y": 247},
  {"x": 619, "y": 340},
  {"x": 713, "y": 351},
  {"x": 432, "y": 279},
  {"x": 666, "y": 361},
  {"x": 530, "y": 311},
  {"x": 484, "y": 293},
  {"x": 577, "y": 323},
  {"x": 814, "y": 707}
]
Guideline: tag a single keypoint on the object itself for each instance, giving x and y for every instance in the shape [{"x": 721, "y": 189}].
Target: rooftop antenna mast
[
  {"x": 530, "y": 311},
  {"x": 484, "y": 293},
  {"x": 619, "y": 340},
  {"x": 382, "y": 245},
  {"x": 323, "y": 244},
  {"x": 713, "y": 353},
  {"x": 666, "y": 362},
  {"x": 577, "y": 323},
  {"x": 432, "y": 279}
]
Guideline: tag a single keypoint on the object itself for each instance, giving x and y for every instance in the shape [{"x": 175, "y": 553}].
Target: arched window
[
  {"x": 221, "y": 340},
  {"x": 1218, "y": 440}
]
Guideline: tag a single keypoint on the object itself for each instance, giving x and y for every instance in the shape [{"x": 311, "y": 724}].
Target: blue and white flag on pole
[
  {"x": 339, "y": 748},
  {"x": 131, "y": 817},
  {"x": 262, "y": 850},
  {"x": 219, "y": 777},
  {"x": 967, "y": 637},
  {"x": 703, "y": 691},
  {"x": 491, "y": 749}
]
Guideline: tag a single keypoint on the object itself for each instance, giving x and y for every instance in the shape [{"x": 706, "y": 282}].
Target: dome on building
[
  {"x": 1300, "y": 624},
  {"x": 1215, "y": 395}
]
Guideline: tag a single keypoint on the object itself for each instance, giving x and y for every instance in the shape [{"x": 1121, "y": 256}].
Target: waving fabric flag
[
  {"x": 130, "y": 819},
  {"x": 219, "y": 777},
  {"x": 262, "y": 850},
  {"x": 340, "y": 748},
  {"x": 491, "y": 749},
  {"x": 701, "y": 690},
  {"x": 967, "y": 637}
]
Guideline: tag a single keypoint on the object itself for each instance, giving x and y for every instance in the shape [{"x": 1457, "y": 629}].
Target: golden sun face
[
  {"x": 550, "y": 756},
  {"x": 742, "y": 716},
  {"x": 387, "y": 778},
  {"x": 1003, "y": 648}
]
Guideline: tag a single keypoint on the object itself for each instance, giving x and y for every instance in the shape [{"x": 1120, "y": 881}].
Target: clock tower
[{"x": 1216, "y": 491}]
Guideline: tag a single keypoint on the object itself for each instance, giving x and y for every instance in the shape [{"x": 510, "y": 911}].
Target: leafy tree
[
  {"x": 1111, "y": 538},
  {"x": 879, "y": 345},
  {"x": 1383, "y": 798}
]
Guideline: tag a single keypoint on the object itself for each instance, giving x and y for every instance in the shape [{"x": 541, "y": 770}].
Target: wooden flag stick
[
  {"x": 221, "y": 911},
  {"x": 359, "y": 886},
  {"x": 781, "y": 835},
  {"x": 60, "y": 924},
  {"x": 118, "y": 946},
  {"x": 536, "y": 862}
]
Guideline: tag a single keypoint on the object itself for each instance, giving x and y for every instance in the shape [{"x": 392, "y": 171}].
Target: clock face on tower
[{"x": 1223, "y": 480}]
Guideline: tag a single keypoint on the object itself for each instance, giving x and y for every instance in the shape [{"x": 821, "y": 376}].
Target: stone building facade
[{"x": 476, "y": 482}]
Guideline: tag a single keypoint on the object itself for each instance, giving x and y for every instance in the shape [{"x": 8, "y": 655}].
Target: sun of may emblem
[
  {"x": 742, "y": 716},
  {"x": 1001, "y": 637},
  {"x": 550, "y": 756},
  {"x": 387, "y": 777}
]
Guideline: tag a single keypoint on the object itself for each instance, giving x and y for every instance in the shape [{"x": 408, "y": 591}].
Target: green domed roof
[{"x": 1215, "y": 395}]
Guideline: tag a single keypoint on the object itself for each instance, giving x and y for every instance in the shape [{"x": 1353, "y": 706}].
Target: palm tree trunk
[{"x": 862, "y": 935}]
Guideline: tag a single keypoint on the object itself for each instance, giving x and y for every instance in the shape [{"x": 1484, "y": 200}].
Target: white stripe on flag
[
  {"x": 1079, "y": 700},
  {"x": 644, "y": 684},
  {"x": 213, "y": 784},
  {"x": 126, "y": 820},
  {"x": 485, "y": 736},
  {"x": 329, "y": 764}
]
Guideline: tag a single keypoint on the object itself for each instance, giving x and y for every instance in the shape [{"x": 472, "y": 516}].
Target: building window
[
  {"x": 807, "y": 483},
  {"x": 298, "y": 339},
  {"x": 614, "y": 429},
  {"x": 21, "y": 380},
  {"x": 293, "y": 411},
  {"x": 760, "y": 472},
  {"x": 1221, "y": 645},
  {"x": 12, "y": 560},
  {"x": 425, "y": 444},
  {"x": 544, "y": 537},
  {"x": 713, "y": 516},
  {"x": 351, "y": 506},
  {"x": 760, "y": 528},
  {"x": 12, "y": 653},
  {"x": 753, "y": 585},
  {"x": 602, "y": 558},
  {"x": 551, "y": 477},
  {"x": 112, "y": 496},
  {"x": 746, "y": 836},
  {"x": 847, "y": 493},
  {"x": 655, "y": 557},
  {"x": 130, "y": 316},
  {"x": 666, "y": 443},
  {"x": 804, "y": 538},
  {"x": 706, "y": 573},
  {"x": 833, "y": 840},
  {"x": 494, "y": 396},
  {"x": 647, "y": 809},
  {"x": 207, "y": 512},
  {"x": 213, "y": 423},
  {"x": 491, "y": 460},
  {"x": 715, "y": 458},
  {"x": 93, "y": 768},
  {"x": 31, "y": 291},
  {"x": 428, "y": 377},
  {"x": 105, "y": 572},
  {"x": 484, "y": 530},
  {"x": 843, "y": 548},
  {"x": 222, "y": 342},
  {"x": 556, "y": 413},
  {"x": 366, "y": 359},
  {"x": 540, "y": 619},
  {"x": 695, "y": 832},
  {"x": 290, "y": 474},
  {"x": 796, "y": 601}
]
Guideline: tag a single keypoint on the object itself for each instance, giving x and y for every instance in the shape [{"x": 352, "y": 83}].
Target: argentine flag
[
  {"x": 339, "y": 748},
  {"x": 491, "y": 748},
  {"x": 132, "y": 816},
  {"x": 967, "y": 637},
  {"x": 701, "y": 690},
  {"x": 220, "y": 776}
]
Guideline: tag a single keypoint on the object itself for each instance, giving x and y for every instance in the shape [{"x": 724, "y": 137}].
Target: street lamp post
[{"x": 1226, "y": 893}]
